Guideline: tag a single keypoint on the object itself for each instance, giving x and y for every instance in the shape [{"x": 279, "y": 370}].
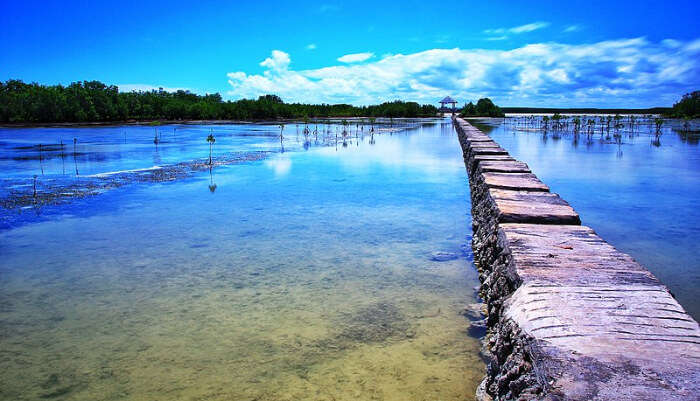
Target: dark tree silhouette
[{"x": 93, "y": 101}]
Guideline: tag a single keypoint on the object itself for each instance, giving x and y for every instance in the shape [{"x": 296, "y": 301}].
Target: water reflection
[
  {"x": 212, "y": 186},
  {"x": 281, "y": 165},
  {"x": 145, "y": 148},
  {"x": 689, "y": 137}
]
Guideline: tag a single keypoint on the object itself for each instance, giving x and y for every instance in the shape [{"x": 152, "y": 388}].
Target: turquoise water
[
  {"x": 305, "y": 275},
  {"x": 640, "y": 195}
]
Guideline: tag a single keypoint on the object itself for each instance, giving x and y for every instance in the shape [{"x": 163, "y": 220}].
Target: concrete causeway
[{"x": 570, "y": 317}]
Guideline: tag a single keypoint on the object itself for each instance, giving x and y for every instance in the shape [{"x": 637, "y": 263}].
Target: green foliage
[
  {"x": 658, "y": 122},
  {"x": 270, "y": 99},
  {"x": 688, "y": 106},
  {"x": 469, "y": 109},
  {"x": 210, "y": 141},
  {"x": 484, "y": 108},
  {"x": 90, "y": 101}
]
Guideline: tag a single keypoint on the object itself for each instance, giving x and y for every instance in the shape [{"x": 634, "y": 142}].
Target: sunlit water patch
[
  {"x": 310, "y": 274},
  {"x": 637, "y": 189}
]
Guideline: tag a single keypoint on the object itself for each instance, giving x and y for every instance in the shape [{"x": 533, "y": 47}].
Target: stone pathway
[{"x": 570, "y": 317}]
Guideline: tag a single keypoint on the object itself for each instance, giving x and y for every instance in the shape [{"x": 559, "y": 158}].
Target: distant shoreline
[
  {"x": 157, "y": 123},
  {"x": 379, "y": 120},
  {"x": 584, "y": 110},
  {"x": 154, "y": 123}
]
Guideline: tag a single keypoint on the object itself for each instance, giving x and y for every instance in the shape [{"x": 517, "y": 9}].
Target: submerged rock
[
  {"x": 377, "y": 322},
  {"x": 474, "y": 311},
  {"x": 51, "y": 381},
  {"x": 477, "y": 329},
  {"x": 481, "y": 394},
  {"x": 442, "y": 256}
]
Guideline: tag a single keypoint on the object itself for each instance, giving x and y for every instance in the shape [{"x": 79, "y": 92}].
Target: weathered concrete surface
[
  {"x": 489, "y": 150},
  {"x": 505, "y": 157},
  {"x": 483, "y": 144},
  {"x": 532, "y": 207},
  {"x": 472, "y": 160},
  {"x": 514, "y": 181},
  {"x": 569, "y": 316},
  {"x": 503, "y": 166}
]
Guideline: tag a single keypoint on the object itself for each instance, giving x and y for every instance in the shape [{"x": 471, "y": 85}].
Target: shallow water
[
  {"x": 307, "y": 275},
  {"x": 639, "y": 195},
  {"x": 68, "y": 152}
]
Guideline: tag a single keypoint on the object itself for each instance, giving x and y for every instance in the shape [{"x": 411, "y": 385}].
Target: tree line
[
  {"x": 483, "y": 108},
  {"x": 93, "y": 101},
  {"x": 583, "y": 110},
  {"x": 688, "y": 106}
]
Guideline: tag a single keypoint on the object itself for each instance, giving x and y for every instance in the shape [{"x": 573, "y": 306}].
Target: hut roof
[{"x": 448, "y": 99}]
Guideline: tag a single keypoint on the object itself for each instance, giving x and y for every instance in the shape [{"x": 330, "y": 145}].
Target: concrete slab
[
  {"x": 503, "y": 166},
  {"x": 605, "y": 327},
  {"x": 477, "y": 159},
  {"x": 532, "y": 207},
  {"x": 483, "y": 144},
  {"x": 493, "y": 150},
  {"x": 516, "y": 181}
]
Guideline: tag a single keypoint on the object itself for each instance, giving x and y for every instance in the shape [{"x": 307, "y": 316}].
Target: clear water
[
  {"x": 107, "y": 149},
  {"x": 639, "y": 195},
  {"x": 52, "y": 153},
  {"x": 307, "y": 275}
]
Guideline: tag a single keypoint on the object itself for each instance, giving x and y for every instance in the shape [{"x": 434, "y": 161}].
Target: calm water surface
[
  {"x": 307, "y": 275},
  {"x": 640, "y": 196}
]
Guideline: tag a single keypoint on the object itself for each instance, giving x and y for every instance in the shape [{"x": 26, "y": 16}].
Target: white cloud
[
  {"x": 277, "y": 61},
  {"x": 311, "y": 46},
  {"x": 573, "y": 28},
  {"x": 625, "y": 73},
  {"x": 529, "y": 27},
  {"x": 671, "y": 43},
  {"x": 502, "y": 33},
  {"x": 497, "y": 31},
  {"x": 355, "y": 57},
  {"x": 693, "y": 46},
  {"x": 147, "y": 88}
]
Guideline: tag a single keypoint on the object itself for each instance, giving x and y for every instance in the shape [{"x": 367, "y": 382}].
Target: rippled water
[
  {"x": 639, "y": 195},
  {"x": 306, "y": 275}
]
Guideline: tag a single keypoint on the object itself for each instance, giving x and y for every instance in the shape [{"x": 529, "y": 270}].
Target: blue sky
[{"x": 529, "y": 53}]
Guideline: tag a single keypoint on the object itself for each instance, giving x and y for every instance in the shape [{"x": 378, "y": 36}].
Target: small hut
[{"x": 448, "y": 101}]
